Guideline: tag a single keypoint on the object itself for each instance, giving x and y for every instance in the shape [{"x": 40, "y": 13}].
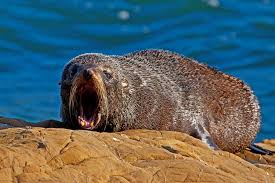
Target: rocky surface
[{"x": 61, "y": 155}]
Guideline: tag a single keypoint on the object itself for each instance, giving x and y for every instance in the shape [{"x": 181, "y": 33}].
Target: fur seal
[{"x": 159, "y": 90}]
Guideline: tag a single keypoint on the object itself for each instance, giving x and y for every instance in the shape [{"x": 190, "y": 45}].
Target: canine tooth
[
  {"x": 92, "y": 123},
  {"x": 82, "y": 123},
  {"x": 98, "y": 118}
]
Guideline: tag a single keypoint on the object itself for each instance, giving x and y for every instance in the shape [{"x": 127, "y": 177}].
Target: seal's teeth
[
  {"x": 98, "y": 118},
  {"x": 85, "y": 123}
]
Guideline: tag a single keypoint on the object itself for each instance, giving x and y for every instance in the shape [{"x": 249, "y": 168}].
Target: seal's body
[{"x": 160, "y": 90}]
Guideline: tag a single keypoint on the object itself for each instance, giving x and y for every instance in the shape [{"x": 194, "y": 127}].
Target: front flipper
[
  {"x": 13, "y": 122},
  {"x": 209, "y": 141},
  {"x": 259, "y": 150},
  {"x": 203, "y": 134}
]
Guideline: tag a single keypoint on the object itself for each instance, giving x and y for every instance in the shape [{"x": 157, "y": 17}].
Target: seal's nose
[{"x": 87, "y": 74}]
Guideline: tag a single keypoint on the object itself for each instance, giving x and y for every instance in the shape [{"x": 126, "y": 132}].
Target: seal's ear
[{"x": 107, "y": 74}]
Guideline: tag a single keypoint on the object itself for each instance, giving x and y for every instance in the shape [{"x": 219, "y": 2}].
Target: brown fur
[{"x": 161, "y": 90}]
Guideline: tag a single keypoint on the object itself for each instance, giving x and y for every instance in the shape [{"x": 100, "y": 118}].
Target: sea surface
[{"x": 37, "y": 38}]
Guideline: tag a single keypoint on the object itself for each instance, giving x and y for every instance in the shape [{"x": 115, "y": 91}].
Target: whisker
[{"x": 72, "y": 98}]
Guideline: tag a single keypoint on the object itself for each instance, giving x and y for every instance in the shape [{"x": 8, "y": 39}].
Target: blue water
[{"x": 37, "y": 38}]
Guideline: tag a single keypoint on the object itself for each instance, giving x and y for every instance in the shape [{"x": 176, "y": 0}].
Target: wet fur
[{"x": 161, "y": 90}]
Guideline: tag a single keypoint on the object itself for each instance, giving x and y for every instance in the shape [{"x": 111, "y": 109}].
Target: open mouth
[{"x": 89, "y": 108}]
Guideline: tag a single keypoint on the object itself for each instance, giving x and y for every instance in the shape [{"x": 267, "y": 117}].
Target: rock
[
  {"x": 61, "y": 155},
  {"x": 265, "y": 162}
]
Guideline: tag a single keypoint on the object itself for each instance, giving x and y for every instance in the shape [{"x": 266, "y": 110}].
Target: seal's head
[{"x": 84, "y": 88}]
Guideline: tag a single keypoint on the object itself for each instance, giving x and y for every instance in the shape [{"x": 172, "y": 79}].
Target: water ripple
[{"x": 39, "y": 37}]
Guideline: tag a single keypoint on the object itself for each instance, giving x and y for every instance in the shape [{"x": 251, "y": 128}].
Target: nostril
[{"x": 87, "y": 74}]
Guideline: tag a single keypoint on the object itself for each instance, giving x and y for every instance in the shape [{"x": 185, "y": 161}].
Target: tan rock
[
  {"x": 265, "y": 162},
  {"x": 61, "y": 155}
]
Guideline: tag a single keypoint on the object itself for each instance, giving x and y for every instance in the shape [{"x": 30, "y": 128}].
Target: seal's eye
[
  {"x": 74, "y": 70},
  {"x": 107, "y": 74}
]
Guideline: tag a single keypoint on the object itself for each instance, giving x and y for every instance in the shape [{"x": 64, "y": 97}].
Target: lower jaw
[{"x": 88, "y": 125}]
